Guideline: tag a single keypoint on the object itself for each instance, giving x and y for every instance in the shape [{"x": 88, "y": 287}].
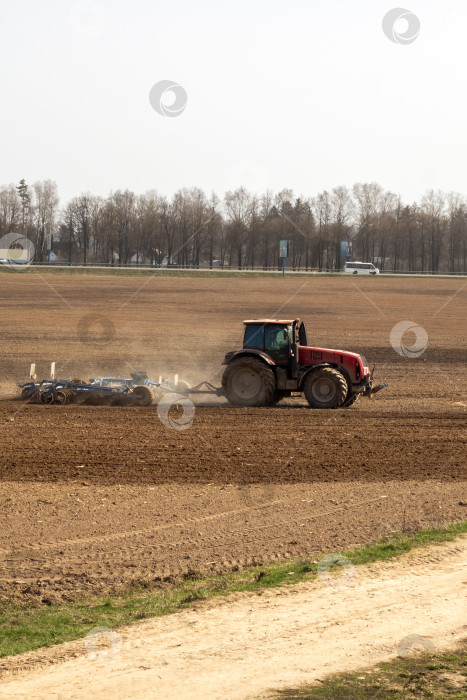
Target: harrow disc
[
  {"x": 143, "y": 395},
  {"x": 29, "y": 393},
  {"x": 47, "y": 398},
  {"x": 63, "y": 396}
]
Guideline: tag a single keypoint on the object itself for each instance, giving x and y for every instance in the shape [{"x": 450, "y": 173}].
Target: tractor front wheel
[
  {"x": 249, "y": 382},
  {"x": 325, "y": 388}
]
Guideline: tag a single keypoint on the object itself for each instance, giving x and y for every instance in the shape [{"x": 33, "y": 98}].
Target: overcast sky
[{"x": 300, "y": 94}]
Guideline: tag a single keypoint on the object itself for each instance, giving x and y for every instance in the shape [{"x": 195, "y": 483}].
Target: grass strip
[
  {"x": 434, "y": 676},
  {"x": 201, "y": 273},
  {"x": 157, "y": 272},
  {"x": 28, "y": 627}
]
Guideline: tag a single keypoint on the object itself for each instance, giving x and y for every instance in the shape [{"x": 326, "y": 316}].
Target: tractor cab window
[
  {"x": 277, "y": 341},
  {"x": 254, "y": 336}
]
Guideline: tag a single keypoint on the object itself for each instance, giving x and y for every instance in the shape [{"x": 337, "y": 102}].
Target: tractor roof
[{"x": 270, "y": 320}]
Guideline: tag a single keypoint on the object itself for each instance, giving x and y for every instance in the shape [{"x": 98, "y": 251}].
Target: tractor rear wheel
[
  {"x": 249, "y": 382},
  {"x": 325, "y": 388},
  {"x": 143, "y": 395}
]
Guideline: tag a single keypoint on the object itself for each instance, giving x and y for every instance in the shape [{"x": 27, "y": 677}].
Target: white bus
[{"x": 360, "y": 268}]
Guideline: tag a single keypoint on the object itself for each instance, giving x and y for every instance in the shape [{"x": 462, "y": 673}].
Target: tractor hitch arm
[{"x": 375, "y": 389}]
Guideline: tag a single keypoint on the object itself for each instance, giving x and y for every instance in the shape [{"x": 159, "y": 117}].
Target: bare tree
[
  {"x": 433, "y": 208},
  {"x": 9, "y": 209},
  {"x": 343, "y": 208},
  {"x": 45, "y": 213},
  {"x": 239, "y": 210}
]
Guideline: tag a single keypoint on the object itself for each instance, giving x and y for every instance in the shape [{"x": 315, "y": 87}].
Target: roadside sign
[
  {"x": 283, "y": 253},
  {"x": 283, "y": 249},
  {"x": 346, "y": 249}
]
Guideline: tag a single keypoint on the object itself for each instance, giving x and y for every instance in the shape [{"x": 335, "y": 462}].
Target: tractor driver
[{"x": 277, "y": 343}]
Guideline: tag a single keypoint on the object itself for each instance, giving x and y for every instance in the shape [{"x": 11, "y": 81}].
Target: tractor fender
[
  {"x": 320, "y": 366},
  {"x": 251, "y": 353}
]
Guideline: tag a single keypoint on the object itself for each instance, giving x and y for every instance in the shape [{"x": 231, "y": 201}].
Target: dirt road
[{"x": 251, "y": 644}]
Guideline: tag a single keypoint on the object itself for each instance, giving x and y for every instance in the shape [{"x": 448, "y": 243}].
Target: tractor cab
[{"x": 276, "y": 338}]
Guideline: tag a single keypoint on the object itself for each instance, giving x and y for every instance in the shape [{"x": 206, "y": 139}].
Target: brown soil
[{"x": 92, "y": 498}]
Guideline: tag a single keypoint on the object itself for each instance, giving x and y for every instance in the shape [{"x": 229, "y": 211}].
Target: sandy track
[{"x": 250, "y": 644}]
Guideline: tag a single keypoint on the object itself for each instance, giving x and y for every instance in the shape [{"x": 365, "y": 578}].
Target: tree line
[{"x": 242, "y": 229}]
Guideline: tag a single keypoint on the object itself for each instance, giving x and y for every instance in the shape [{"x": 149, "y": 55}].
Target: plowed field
[{"x": 92, "y": 498}]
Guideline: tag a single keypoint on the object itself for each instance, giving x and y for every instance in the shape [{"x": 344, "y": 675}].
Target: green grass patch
[
  {"x": 434, "y": 676},
  {"x": 24, "y": 627}
]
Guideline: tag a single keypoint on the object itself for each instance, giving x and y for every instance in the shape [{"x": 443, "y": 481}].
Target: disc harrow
[{"x": 137, "y": 390}]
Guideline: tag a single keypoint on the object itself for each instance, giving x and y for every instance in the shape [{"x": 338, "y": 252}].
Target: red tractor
[{"x": 275, "y": 361}]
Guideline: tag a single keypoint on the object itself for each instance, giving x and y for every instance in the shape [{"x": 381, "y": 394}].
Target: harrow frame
[{"x": 116, "y": 390}]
